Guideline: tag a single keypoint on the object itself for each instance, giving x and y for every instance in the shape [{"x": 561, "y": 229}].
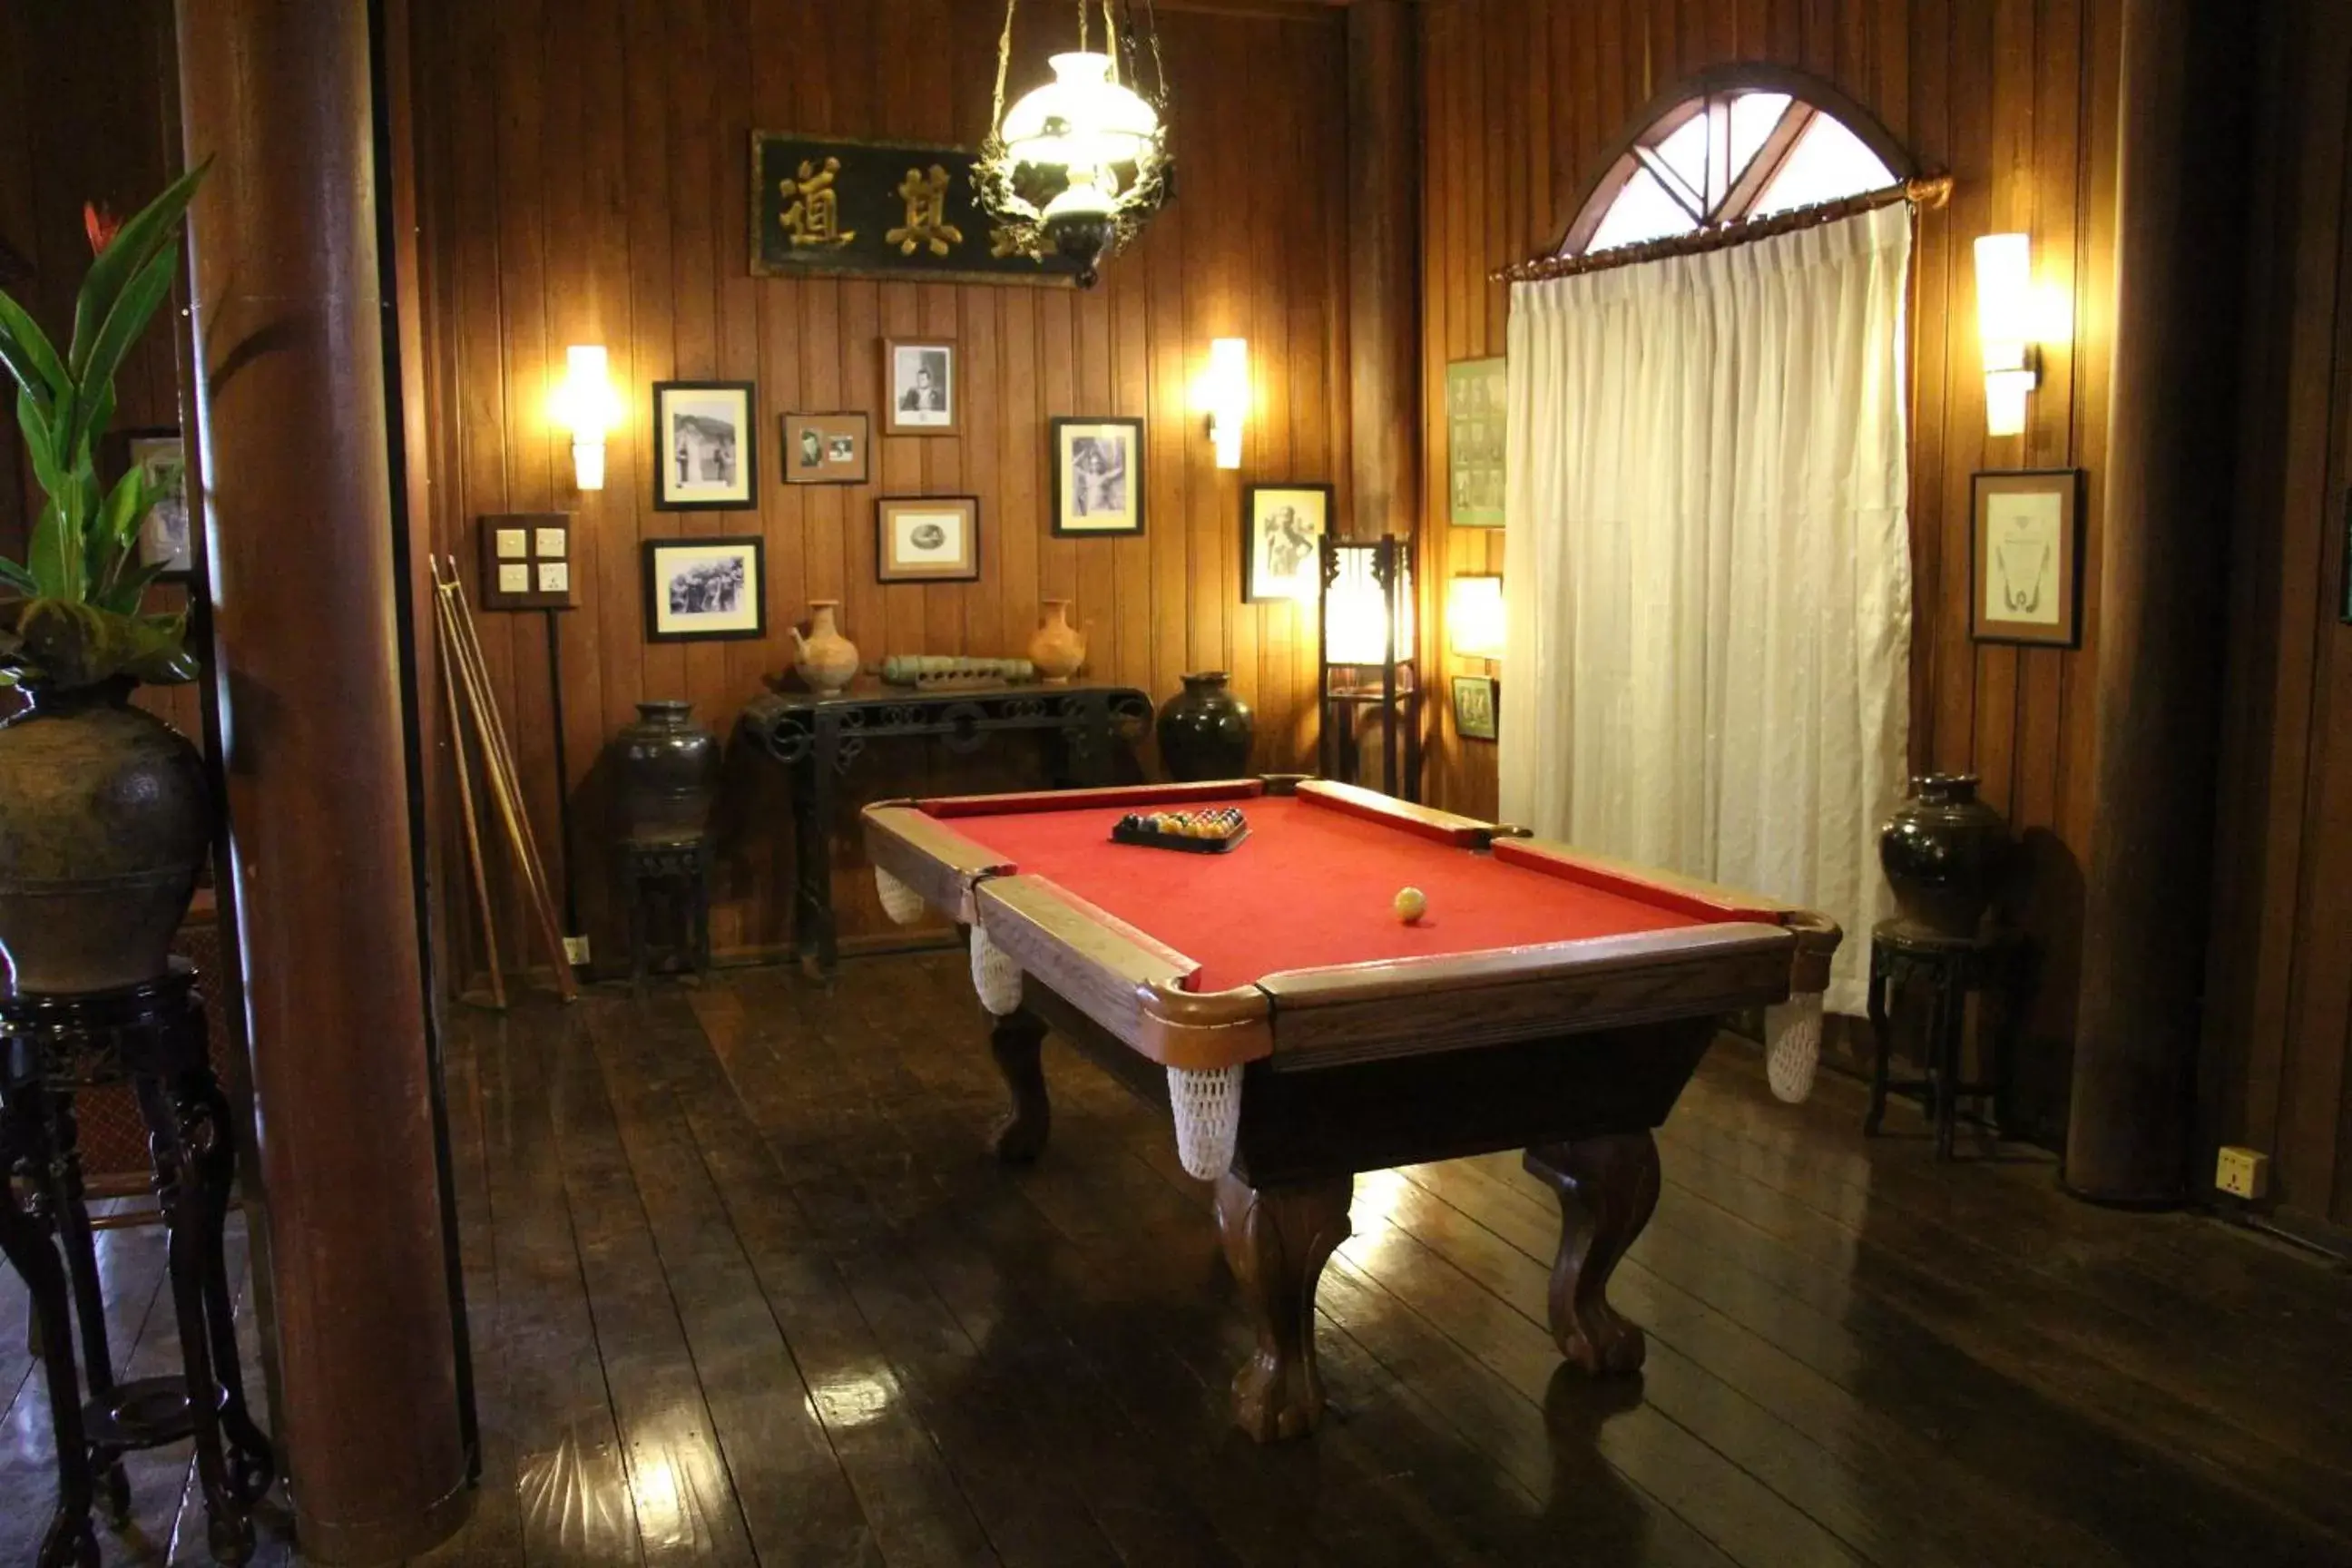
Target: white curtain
[{"x": 1707, "y": 566}]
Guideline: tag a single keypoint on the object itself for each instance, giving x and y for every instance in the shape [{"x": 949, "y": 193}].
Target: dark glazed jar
[
  {"x": 1205, "y": 733},
  {"x": 1944, "y": 850},
  {"x": 669, "y": 772}
]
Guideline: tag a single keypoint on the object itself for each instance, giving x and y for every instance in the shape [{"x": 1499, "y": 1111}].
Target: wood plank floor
[{"x": 746, "y": 1287}]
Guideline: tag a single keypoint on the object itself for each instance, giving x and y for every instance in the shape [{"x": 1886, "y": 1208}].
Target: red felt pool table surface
[{"x": 1313, "y": 886}]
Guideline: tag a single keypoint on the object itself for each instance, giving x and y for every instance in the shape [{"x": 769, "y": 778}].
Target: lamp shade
[
  {"x": 1473, "y": 616},
  {"x": 1226, "y": 393},
  {"x": 1081, "y": 120},
  {"x": 2005, "y": 307},
  {"x": 1368, "y": 604}
]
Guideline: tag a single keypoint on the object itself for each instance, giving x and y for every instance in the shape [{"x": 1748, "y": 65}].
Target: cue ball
[{"x": 1409, "y": 904}]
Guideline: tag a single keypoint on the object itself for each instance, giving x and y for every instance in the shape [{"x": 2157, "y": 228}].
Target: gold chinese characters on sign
[{"x": 830, "y": 205}]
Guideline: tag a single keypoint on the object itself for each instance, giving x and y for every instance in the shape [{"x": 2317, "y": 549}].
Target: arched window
[{"x": 1740, "y": 143}]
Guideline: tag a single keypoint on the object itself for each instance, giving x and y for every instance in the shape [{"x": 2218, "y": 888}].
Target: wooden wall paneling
[{"x": 1935, "y": 344}]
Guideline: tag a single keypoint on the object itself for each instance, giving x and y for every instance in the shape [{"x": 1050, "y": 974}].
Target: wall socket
[
  {"x": 575, "y": 951},
  {"x": 2242, "y": 1172}
]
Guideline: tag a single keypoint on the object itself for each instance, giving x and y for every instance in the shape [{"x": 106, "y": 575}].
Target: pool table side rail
[
  {"x": 1424, "y": 821},
  {"x": 1123, "y": 979},
  {"x": 949, "y": 806},
  {"x": 1347, "y": 1012},
  {"x": 932, "y": 858}
]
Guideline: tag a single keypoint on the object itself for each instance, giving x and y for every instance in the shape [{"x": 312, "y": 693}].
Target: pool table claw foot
[
  {"x": 1607, "y": 1189},
  {"x": 1015, "y": 1041},
  {"x": 1276, "y": 1242}
]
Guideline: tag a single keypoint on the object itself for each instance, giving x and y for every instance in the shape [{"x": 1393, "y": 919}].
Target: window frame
[{"x": 1808, "y": 96}]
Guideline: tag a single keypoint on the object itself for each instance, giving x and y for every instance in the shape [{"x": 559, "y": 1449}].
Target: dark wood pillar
[
  {"x": 2178, "y": 237},
  {"x": 1383, "y": 279},
  {"x": 289, "y": 347}
]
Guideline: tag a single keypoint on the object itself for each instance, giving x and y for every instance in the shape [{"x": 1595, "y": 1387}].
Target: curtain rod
[{"x": 1928, "y": 191}]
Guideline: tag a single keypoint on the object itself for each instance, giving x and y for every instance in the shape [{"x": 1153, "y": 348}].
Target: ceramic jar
[
  {"x": 827, "y": 661},
  {"x": 1205, "y": 733},
  {"x": 105, "y": 821},
  {"x": 1943, "y": 851},
  {"x": 1058, "y": 648},
  {"x": 669, "y": 772}
]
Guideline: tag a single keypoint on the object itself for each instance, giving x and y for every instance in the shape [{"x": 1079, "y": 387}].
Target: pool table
[{"x": 1300, "y": 1031}]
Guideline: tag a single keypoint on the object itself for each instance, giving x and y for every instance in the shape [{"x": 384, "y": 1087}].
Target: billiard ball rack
[{"x": 1137, "y": 828}]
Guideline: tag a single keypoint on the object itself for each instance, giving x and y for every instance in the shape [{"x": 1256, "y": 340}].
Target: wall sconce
[
  {"x": 586, "y": 405},
  {"x": 1473, "y": 616},
  {"x": 2006, "y": 329},
  {"x": 1226, "y": 391}
]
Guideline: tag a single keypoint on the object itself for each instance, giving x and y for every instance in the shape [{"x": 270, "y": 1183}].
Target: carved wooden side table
[
  {"x": 151, "y": 1037},
  {"x": 1991, "y": 965},
  {"x": 673, "y": 871}
]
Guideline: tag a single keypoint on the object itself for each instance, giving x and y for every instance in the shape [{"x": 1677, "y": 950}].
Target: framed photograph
[
  {"x": 919, "y": 380},
  {"x": 1474, "y": 706},
  {"x": 2026, "y": 557},
  {"x": 1282, "y": 536},
  {"x": 705, "y": 589},
  {"x": 1097, "y": 477},
  {"x": 824, "y": 449},
  {"x": 166, "y": 536},
  {"x": 927, "y": 539},
  {"x": 1473, "y": 442},
  {"x": 705, "y": 457}
]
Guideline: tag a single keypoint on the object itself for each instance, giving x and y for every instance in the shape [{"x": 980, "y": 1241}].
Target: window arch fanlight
[{"x": 1732, "y": 144}]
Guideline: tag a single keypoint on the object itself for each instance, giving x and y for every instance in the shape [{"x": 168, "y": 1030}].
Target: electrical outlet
[
  {"x": 2242, "y": 1172},
  {"x": 575, "y": 951}
]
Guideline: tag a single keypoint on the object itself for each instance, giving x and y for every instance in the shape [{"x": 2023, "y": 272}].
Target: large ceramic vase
[
  {"x": 669, "y": 772},
  {"x": 105, "y": 820},
  {"x": 1205, "y": 733},
  {"x": 1057, "y": 647},
  {"x": 1943, "y": 851},
  {"x": 827, "y": 660}
]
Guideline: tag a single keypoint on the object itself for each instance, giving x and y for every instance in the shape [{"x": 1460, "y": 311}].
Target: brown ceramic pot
[
  {"x": 1057, "y": 648},
  {"x": 105, "y": 820},
  {"x": 669, "y": 772},
  {"x": 1943, "y": 851}
]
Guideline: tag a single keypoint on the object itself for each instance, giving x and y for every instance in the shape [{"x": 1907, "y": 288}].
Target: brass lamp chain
[{"x": 1004, "y": 60}]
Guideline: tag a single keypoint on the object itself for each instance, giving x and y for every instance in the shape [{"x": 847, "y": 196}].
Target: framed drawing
[
  {"x": 918, "y": 379},
  {"x": 1474, "y": 705},
  {"x": 166, "y": 533},
  {"x": 2026, "y": 557},
  {"x": 927, "y": 539},
  {"x": 705, "y": 590},
  {"x": 1097, "y": 477},
  {"x": 1282, "y": 535},
  {"x": 1473, "y": 442},
  {"x": 825, "y": 450},
  {"x": 527, "y": 560},
  {"x": 705, "y": 458}
]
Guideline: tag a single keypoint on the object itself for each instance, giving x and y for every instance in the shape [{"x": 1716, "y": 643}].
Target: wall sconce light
[
  {"x": 586, "y": 404},
  {"x": 1226, "y": 392},
  {"x": 1473, "y": 616},
  {"x": 2006, "y": 329}
]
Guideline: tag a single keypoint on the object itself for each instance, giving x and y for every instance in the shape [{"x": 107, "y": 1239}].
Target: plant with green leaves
[{"x": 81, "y": 585}]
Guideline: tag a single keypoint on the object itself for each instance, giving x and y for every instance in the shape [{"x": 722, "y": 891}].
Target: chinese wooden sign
[{"x": 829, "y": 204}]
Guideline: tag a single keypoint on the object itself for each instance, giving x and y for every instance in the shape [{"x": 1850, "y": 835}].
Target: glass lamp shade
[
  {"x": 1358, "y": 606},
  {"x": 1080, "y": 120},
  {"x": 1473, "y": 616}
]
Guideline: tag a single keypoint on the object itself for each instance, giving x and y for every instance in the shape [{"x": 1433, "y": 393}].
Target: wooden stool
[
  {"x": 1991, "y": 965},
  {"x": 151, "y": 1037},
  {"x": 676, "y": 871}
]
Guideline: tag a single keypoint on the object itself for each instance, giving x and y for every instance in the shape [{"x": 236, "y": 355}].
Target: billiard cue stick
[
  {"x": 509, "y": 782},
  {"x": 477, "y": 872},
  {"x": 506, "y": 793},
  {"x": 504, "y": 789}
]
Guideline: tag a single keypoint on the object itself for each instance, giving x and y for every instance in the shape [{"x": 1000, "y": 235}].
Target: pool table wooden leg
[
  {"x": 1276, "y": 1241},
  {"x": 1015, "y": 1041},
  {"x": 1607, "y": 1189}
]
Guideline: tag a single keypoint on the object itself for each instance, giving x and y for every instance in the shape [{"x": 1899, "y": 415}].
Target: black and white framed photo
[
  {"x": 166, "y": 536},
  {"x": 1474, "y": 707},
  {"x": 705, "y": 458},
  {"x": 2026, "y": 557},
  {"x": 919, "y": 380},
  {"x": 705, "y": 589},
  {"x": 825, "y": 450},
  {"x": 1097, "y": 476},
  {"x": 1282, "y": 535},
  {"x": 927, "y": 539}
]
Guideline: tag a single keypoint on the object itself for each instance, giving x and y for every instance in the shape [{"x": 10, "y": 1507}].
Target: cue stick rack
[{"x": 467, "y": 680}]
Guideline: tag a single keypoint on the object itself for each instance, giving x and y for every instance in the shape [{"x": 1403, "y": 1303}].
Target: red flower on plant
[{"x": 100, "y": 223}]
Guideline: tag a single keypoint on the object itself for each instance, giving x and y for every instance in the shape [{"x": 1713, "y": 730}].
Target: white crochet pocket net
[
  {"x": 899, "y": 901},
  {"x": 994, "y": 975},
  {"x": 1792, "y": 1046},
  {"x": 1208, "y": 1105}
]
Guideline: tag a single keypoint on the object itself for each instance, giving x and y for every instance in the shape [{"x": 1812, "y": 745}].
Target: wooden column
[
  {"x": 1383, "y": 279},
  {"x": 289, "y": 348},
  {"x": 2179, "y": 236}
]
